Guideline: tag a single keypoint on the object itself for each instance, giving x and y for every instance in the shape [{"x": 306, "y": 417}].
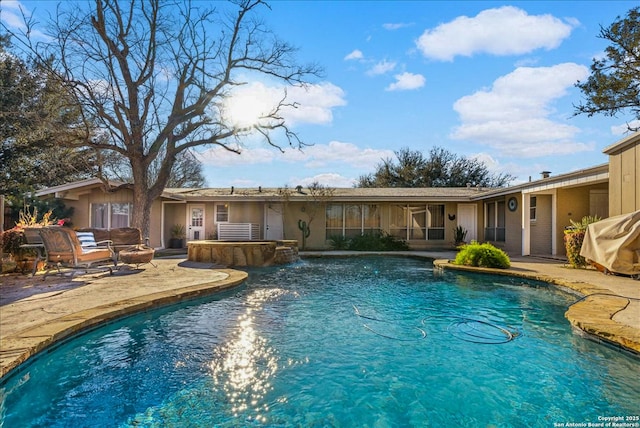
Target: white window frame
[
  {"x": 533, "y": 209},
  {"x": 226, "y": 205},
  {"x": 109, "y": 206}
]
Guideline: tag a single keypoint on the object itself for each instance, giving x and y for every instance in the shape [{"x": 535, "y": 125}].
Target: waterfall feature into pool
[{"x": 362, "y": 341}]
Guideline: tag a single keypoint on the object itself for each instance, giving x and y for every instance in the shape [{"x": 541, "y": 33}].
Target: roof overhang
[
  {"x": 623, "y": 144},
  {"x": 73, "y": 191},
  {"x": 583, "y": 177}
]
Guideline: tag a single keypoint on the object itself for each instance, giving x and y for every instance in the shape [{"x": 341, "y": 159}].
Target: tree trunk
[{"x": 142, "y": 198}]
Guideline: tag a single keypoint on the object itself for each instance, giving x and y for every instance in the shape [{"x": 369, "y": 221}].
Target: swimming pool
[{"x": 368, "y": 341}]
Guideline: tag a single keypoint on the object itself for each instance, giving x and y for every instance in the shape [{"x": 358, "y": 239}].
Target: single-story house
[{"x": 526, "y": 219}]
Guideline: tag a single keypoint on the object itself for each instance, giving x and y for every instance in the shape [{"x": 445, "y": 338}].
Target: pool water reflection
[{"x": 365, "y": 341}]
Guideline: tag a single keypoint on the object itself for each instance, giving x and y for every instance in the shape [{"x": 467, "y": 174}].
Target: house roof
[
  {"x": 595, "y": 174},
  {"x": 339, "y": 194},
  {"x": 623, "y": 144},
  {"x": 72, "y": 190}
]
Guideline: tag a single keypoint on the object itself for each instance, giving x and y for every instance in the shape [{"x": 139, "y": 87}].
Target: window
[
  {"x": 120, "y": 215},
  {"x": 351, "y": 220},
  {"x": 222, "y": 213},
  {"x": 436, "y": 222},
  {"x": 370, "y": 218},
  {"x": 418, "y": 225},
  {"x": 398, "y": 221},
  {"x": 494, "y": 221},
  {"x": 417, "y": 222},
  {"x": 333, "y": 220},
  {"x": 110, "y": 215},
  {"x": 100, "y": 216},
  {"x": 532, "y": 208}
]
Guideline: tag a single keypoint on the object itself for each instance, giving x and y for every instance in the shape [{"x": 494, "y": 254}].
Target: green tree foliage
[
  {"x": 614, "y": 84},
  {"x": 441, "y": 169},
  {"x": 33, "y": 111}
]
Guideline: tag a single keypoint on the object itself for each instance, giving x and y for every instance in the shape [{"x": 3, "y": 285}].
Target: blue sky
[{"x": 493, "y": 80}]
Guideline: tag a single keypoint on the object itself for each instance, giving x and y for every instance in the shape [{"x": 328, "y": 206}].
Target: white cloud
[
  {"x": 330, "y": 179},
  {"x": 316, "y": 156},
  {"x": 623, "y": 129},
  {"x": 382, "y": 67},
  {"x": 506, "y": 30},
  {"x": 407, "y": 81},
  {"x": 12, "y": 12},
  {"x": 513, "y": 116},
  {"x": 396, "y": 26},
  {"x": 356, "y": 54},
  {"x": 314, "y": 103},
  {"x": 322, "y": 155}
]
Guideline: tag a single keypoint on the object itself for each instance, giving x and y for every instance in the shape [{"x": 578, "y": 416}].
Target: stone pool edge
[
  {"x": 17, "y": 348},
  {"x": 592, "y": 315}
]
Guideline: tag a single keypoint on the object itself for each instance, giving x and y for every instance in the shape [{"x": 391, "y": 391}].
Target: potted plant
[
  {"x": 573, "y": 237},
  {"x": 26, "y": 232},
  {"x": 177, "y": 236},
  {"x": 459, "y": 236}
]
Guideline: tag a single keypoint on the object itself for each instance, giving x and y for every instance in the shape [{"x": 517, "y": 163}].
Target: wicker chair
[{"x": 63, "y": 250}]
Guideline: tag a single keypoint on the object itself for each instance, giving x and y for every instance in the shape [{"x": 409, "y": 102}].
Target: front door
[
  {"x": 273, "y": 223},
  {"x": 467, "y": 219},
  {"x": 195, "y": 231}
]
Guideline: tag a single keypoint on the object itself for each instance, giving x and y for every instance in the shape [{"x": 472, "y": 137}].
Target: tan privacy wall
[{"x": 624, "y": 178}]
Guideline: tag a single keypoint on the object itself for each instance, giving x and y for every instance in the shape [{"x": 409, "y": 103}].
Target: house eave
[
  {"x": 622, "y": 144},
  {"x": 593, "y": 175}
]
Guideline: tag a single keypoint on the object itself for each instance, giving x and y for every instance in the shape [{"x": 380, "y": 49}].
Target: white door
[
  {"x": 195, "y": 229},
  {"x": 273, "y": 223},
  {"x": 467, "y": 218}
]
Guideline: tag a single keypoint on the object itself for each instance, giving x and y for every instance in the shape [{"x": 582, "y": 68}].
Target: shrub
[
  {"x": 367, "y": 242},
  {"x": 338, "y": 242},
  {"x": 573, "y": 238},
  {"x": 12, "y": 239},
  {"x": 482, "y": 255},
  {"x": 372, "y": 241}
]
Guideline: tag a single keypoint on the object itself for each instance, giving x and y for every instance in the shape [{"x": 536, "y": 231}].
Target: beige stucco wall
[
  {"x": 246, "y": 212},
  {"x": 513, "y": 221},
  {"x": 174, "y": 213},
  {"x": 512, "y": 244},
  {"x": 540, "y": 229},
  {"x": 572, "y": 204},
  {"x": 81, "y": 203},
  {"x": 624, "y": 180}
]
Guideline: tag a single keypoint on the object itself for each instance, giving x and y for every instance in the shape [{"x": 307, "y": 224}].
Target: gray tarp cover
[{"x": 614, "y": 243}]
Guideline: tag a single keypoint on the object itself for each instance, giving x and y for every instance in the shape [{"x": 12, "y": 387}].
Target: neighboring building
[{"x": 527, "y": 219}]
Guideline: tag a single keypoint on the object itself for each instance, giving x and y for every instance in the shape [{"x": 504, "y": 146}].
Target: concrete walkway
[{"x": 34, "y": 314}]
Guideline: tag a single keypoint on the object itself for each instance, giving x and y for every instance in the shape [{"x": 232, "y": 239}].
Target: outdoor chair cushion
[{"x": 86, "y": 239}]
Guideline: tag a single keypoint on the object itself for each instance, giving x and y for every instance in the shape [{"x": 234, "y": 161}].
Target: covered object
[{"x": 614, "y": 243}]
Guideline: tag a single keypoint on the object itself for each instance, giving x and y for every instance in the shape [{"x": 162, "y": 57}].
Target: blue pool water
[{"x": 377, "y": 342}]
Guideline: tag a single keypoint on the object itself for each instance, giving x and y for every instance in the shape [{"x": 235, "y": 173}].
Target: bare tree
[{"x": 154, "y": 75}]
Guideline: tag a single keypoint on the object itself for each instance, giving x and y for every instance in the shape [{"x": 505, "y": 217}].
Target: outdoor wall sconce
[{"x": 452, "y": 217}]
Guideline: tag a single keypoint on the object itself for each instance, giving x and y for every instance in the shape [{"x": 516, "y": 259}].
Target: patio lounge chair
[{"x": 64, "y": 251}]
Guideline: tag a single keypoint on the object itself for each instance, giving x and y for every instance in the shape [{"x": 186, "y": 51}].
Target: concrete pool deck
[{"x": 35, "y": 314}]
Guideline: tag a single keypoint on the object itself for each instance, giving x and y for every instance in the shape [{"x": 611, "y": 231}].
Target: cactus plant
[{"x": 306, "y": 231}]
